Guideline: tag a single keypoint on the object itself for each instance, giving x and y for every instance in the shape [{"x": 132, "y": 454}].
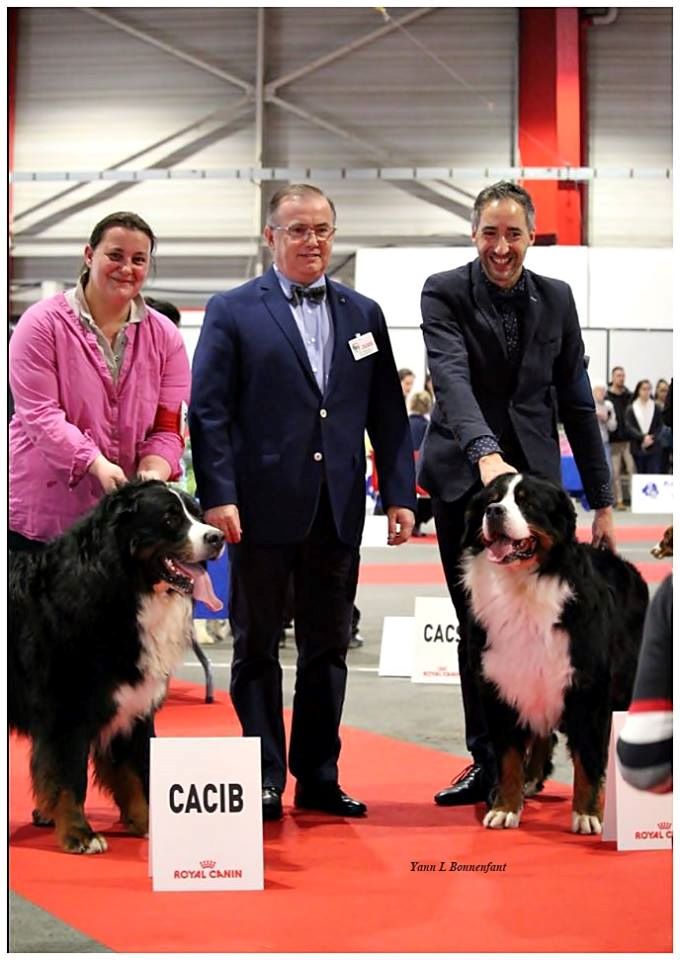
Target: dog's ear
[
  {"x": 121, "y": 508},
  {"x": 474, "y": 516},
  {"x": 122, "y": 502}
]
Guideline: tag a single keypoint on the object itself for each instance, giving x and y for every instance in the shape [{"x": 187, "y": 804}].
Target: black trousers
[
  {"x": 325, "y": 573},
  {"x": 449, "y": 518}
]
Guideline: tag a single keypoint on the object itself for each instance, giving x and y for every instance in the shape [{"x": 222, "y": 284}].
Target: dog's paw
[
  {"x": 500, "y": 819},
  {"x": 41, "y": 819},
  {"x": 84, "y": 843},
  {"x": 587, "y": 823}
]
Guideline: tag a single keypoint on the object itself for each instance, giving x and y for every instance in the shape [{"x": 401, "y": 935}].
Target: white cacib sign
[
  {"x": 435, "y": 652},
  {"x": 651, "y": 493},
  {"x": 205, "y": 830},
  {"x": 635, "y": 819}
]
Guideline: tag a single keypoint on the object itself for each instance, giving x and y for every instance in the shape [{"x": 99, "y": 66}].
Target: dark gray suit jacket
[{"x": 479, "y": 393}]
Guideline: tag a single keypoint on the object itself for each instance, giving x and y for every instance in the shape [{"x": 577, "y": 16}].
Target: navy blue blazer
[
  {"x": 263, "y": 436},
  {"x": 479, "y": 393}
]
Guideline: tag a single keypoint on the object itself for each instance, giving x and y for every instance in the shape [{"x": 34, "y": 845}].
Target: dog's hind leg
[
  {"x": 123, "y": 769},
  {"x": 59, "y": 786}
]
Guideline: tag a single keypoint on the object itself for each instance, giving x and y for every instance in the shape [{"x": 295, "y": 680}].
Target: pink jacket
[{"x": 68, "y": 410}]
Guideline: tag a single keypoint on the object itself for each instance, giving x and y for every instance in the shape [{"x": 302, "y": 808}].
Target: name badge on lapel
[{"x": 363, "y": 345}]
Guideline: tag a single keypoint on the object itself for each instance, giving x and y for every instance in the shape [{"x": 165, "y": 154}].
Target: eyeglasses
[{"x": 301, "y": 231}]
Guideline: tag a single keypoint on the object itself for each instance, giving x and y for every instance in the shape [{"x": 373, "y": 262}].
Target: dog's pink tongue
[
  {"x": 499, "y": 549},
  {"x": 203, "y": 588}
]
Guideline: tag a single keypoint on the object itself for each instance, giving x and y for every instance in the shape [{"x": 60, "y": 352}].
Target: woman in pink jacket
[{"x": 100, "y": 382}]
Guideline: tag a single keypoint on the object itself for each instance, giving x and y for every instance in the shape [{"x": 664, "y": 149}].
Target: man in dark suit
[
  {"x": 504, "y": 347},
  {"x": 289, "y": 371}
]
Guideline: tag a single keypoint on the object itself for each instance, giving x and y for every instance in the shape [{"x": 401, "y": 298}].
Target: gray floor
[{"x": 428, "y": 714}]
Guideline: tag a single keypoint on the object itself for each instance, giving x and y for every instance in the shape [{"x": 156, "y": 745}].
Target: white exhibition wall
[{"x": 623, "y": 297}]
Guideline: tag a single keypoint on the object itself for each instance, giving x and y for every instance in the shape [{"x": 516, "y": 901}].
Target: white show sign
[
  {"x": 375, "y": 531},
  {"x": 396, "y": 647},
  {"x": 651, "y": 493},
  {"x": 435, "y": 653},
  {"x": 635, "y": 819},
  {"x": 206, "y": 814}
]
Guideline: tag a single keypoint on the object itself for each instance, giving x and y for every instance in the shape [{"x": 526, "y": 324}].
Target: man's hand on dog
[
  {"x": 491, "y": 466},
  {"x": 227, "y": 519}
]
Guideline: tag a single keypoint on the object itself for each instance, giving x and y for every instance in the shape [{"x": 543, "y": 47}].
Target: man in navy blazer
[
  {"x": 289, "y": 372},
  {"x": 505, "y": 351}
]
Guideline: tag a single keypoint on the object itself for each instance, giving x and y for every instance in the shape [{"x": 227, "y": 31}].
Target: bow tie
[{"x": 298, "y": 294}]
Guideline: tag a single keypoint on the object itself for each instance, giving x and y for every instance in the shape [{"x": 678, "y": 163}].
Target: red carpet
[{"x": 343, "y": 886}]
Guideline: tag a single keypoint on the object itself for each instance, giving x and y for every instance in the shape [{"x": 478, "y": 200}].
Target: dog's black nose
[
  {"x": 214, "y": 538},
  {"x": 495, "y": 511}
]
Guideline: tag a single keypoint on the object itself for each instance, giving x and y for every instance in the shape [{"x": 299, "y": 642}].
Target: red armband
[{"x": 168, "y": 421}]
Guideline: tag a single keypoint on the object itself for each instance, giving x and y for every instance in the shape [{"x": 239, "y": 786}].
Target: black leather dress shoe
[
  {"x": 272, "y": 808},
  {"x": 472, "y": 785},
  {"x": 328, "y": 798}
]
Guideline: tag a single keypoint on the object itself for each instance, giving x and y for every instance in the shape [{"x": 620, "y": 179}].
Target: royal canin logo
[
  {"x": 664, "y": 831},
  {"x": 208, "y": 870}
]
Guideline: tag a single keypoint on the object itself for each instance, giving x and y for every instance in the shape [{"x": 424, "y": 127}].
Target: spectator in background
[
  {"x": 644, "y": 424},
  {"x": 667, "y": 414},
  {"x": 660, "y": 393},
  {"x": 619, "y": 440},
  {"x": 168, "y": 309},
  {"x": 428, "y": 385},
  {"x": 606, "y": 418},
  {"x": 407, "y": 378},
  {"x": 420, "y": 406},
  {"x": 645, "y": 745}
]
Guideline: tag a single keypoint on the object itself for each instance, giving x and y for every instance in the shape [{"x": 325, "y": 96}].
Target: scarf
[{"x": 644, "y": 413}]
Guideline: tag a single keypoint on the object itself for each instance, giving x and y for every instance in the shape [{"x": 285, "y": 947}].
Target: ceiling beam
[
  {"x": 175, "y": 52},
  {"x": 343, "y": 51}
]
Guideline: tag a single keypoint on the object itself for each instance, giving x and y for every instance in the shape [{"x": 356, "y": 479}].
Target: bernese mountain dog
[
  {"x": 98, "y": 621},
  {"x": 555, "y": 632}
]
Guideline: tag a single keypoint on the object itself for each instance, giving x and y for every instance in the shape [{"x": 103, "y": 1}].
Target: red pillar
[{"x": 550, "y": 117}]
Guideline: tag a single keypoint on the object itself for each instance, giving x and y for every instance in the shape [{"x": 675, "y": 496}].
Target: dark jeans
[
  {"x": 325, "y": 573},
  {"x": 449, "y": 518}
]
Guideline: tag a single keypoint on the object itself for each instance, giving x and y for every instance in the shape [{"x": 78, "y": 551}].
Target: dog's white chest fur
[
  {"x": 165, "y": 628},
  {"x": 527, "y": 656}
]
